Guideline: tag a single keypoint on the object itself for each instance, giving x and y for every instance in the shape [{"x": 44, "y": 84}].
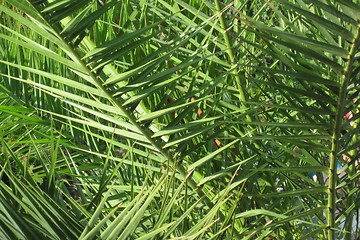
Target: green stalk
[
  {"x": 230, "y": 52},
  {"x": 336, "y": 138},
  {"x": 332, "y": 181}
]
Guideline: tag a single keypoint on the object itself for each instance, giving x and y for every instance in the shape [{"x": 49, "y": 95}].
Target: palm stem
[
  {"x": 241, "y": 84},
  {"x": 336, "y": 137}
]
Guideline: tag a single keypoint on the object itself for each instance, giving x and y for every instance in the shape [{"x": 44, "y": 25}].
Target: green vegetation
[{"x": 180, "y": 119}]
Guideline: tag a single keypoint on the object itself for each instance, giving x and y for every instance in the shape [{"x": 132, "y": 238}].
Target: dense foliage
[{"x": 179, "y": 119}]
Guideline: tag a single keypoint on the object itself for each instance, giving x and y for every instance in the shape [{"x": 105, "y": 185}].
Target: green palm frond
[{"x": 179, "y": 118}]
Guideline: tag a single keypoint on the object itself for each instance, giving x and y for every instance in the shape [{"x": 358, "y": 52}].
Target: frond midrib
[{"x": 345, "y": 80}]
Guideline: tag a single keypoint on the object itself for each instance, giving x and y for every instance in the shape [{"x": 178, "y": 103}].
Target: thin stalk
[
  {"x": 336, "y": 138},
  {"x": 230, "y": 52}
]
